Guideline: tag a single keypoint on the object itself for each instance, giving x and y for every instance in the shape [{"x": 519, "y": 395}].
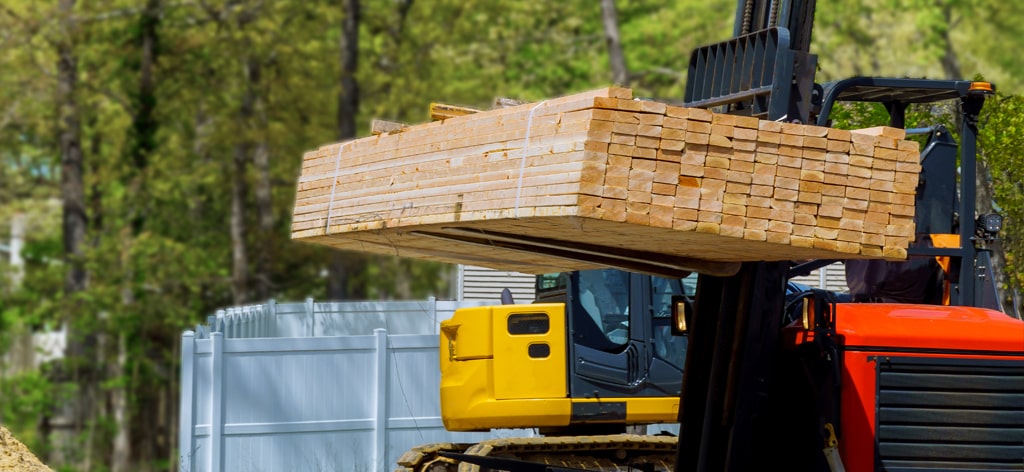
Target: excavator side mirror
[
  {"x": 506, "y": 297},
  {"x": 807, "y": 312},
  {"x": 682, "y": 312}
]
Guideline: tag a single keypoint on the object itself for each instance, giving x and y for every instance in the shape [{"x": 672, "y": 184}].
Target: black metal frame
[
  {"x": 729, "y": 366},
  {"x": 765, "y": 70},
  {"x": 794, "y": 15},
  {"x": 896, "y": 95},
  {"x": 743, "y": 69}
]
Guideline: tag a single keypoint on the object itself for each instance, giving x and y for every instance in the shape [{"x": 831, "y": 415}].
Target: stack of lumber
[{"x": 603, "y": 174}]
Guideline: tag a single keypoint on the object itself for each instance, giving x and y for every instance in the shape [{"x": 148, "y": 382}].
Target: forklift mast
[{"x": 765, "y": 70}]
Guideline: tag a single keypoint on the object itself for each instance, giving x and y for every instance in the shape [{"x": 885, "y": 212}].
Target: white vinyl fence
[{"x": 313, "y": 387}]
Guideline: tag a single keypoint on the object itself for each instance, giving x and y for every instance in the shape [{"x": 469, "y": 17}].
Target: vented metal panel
[
  {"x": 482, "y": 283},
  {"x": 834, "y": 277},
  {"x": 950, "y": 414}
]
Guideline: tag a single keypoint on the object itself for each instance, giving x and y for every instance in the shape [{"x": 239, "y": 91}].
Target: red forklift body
[{"x": 937, "y": 387}]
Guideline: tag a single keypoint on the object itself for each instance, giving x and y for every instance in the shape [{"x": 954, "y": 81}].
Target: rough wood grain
[{"x": 526, "y": 187}]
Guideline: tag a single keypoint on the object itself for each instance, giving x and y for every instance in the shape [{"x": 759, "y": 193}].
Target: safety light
[
  {"x": 990, "y": 223},
  {"x": 985, "y": 87},
  {"x": 682, "y": 312}
]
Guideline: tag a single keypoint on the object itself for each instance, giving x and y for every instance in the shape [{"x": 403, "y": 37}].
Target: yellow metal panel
[
  {"x": 465, "y": 385},
  {"x": 473, "y": 364},
  {"x": 467, "y": 335},
  {"x": 518, "y": 374},
  {"x": 468, "y": 404}
]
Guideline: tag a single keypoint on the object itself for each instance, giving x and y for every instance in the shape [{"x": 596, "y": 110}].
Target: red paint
[
  {"x": 891, "y": 330},
  {"x": 929, "y": 327}
]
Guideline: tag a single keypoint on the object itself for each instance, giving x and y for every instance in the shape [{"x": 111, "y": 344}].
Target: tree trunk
[
  {"x": 348, "y": 96},
  {"x": 264, "y": 199},
  {"x": 73, "y": 418},
  {"x": 172, "y": 391},
  {"x": 403, "y": 286},
  {"x": 248, "y": 110},
  {"x": 202, "y": 127},
  {"x": 239, "y": 250},
  {"x": 344, "y": 265},
  {"x": 616, "y": 58},
  {"x": 121, "y": 451},
  {"x": 72, "y": 186},
  {"x": 17, "y": 242},
  {"x": 983, "y": 204},
  {"x": 264, "y": 191},
  {"x": 950, "y": 62},
  {"x": 985, "y": 194},
  {"x": 144, "y": 124},
  {"x": 128, "y": 447}
]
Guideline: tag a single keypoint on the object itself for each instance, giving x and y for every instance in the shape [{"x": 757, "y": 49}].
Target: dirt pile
[{"x": 15, "y": 456}]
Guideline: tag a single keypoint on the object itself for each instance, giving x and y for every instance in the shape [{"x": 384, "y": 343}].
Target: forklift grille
[{"x": 950, "y": 414}]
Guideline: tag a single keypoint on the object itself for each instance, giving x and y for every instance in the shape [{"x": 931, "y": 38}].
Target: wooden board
[{"x": 599, "y": 179}]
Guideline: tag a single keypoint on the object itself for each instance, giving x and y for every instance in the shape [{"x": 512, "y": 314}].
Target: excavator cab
[
  {"x": 621, "y": 334},
  {"x": 595, "y": 351}
]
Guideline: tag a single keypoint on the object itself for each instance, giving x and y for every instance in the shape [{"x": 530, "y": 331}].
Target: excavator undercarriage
[{"x": 605, "y": 453}]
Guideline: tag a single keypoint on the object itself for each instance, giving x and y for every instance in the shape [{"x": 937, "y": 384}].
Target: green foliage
[
  {"x": 28, "y": 395},
  {"x": 658, "y": 37},
  {"x": 1001, "y": 143},
  {"x": 859, "y": 115},
  {"x": 912, "y": 38}
]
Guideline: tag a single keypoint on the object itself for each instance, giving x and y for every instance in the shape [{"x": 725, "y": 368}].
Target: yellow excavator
[
  {"x": 624, "y": 369},
  {"x": 595, "y": 353},
  {"x": 918, "y": 369}
]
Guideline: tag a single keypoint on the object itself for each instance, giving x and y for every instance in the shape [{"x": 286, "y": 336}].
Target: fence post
[
  {"x": 433, "y": 314},
  {"x": 270, "y": 319},
  {"x": 217, "y": 405},
  {"x": 380, "y": 431},
  {"x": 311, "y": 316},
  {"x": 186, "y": 418}
]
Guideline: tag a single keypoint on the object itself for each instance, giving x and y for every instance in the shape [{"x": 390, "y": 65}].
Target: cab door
[
  {"x": 608, "y": 356},
  {"x": 665, "y": 371},
  {"x": 621, "y": 340}
]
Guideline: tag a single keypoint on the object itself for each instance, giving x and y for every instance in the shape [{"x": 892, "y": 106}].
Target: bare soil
[{"x": 15, "y": 456}]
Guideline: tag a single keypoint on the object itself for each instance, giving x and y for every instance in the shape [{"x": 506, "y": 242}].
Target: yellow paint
[
  {"x": 945, "y": 241},
  {"x": 488, "y": 379},
  {"x": 467, "y": 335},
  {"x": 519, "y": 376}
]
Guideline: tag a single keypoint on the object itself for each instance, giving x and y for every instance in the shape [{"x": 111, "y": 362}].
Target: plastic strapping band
[
  {"x": 522, "y": 163},
  {"x": 330, "y": 206}
]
